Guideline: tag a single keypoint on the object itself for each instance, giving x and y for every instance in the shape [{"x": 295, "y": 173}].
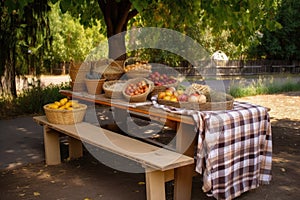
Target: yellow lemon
[
  {"x": 167, "y": 98},
  {"x": 68, "y": 104},
  {"x": 61, "y": 108},
  {"x": 53, "y": 106},
  {"x": 57, "y": 103},
  {"x": 63, "y": 101}
]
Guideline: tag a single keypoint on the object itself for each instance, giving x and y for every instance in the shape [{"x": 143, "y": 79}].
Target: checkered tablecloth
[{"x": 234, "y": 151}]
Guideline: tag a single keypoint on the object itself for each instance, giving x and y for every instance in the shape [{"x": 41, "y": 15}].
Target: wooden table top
[{"x": 142, "y": 108}]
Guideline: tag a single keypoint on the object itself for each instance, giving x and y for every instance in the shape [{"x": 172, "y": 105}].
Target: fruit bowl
[
  {"x": 135, "y": 68},
  {"x": 113, "y": 89},
  {"x": 207, "y": 106},
  {"x": 196, "y": 97},
  {"x": 161, "y": 82},
  {"x": 137, "y": 90},
  {"x": 68, "y": 115}
]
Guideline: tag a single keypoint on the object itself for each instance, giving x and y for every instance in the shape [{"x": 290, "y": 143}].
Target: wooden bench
[{"x": 159, "y": 163}]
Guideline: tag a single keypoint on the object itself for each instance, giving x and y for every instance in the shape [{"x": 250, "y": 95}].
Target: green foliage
[
  {"x": 282, "y": 43},
  {"x": 87, "y": 11},
  {"x": 24, "y": 39},
  {"x": 231, "y": 26},
  {"x": 30, "y": 101},
  {"x": 263, "y": 86},
  {"x": 71, "y": 40}
]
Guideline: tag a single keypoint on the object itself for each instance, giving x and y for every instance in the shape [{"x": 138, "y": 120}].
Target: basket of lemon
[{"x": 65, "y": 112}]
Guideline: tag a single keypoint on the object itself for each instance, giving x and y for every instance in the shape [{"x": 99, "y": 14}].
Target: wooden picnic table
[
  {"x": 227, "y": 144},
  {"x": 185, "y": 134}
]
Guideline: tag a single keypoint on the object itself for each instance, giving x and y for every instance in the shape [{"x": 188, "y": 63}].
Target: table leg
[
  {"x": 120, "y": 117},
  {"x": 75, "y": 148},
  {"x": 52, "y": 148},
  {"x": 185, "y": 141},
  {"x": 155, "y": 185}
]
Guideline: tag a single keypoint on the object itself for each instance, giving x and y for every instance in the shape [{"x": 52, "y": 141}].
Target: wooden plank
[
  {"x": 169, "y": 175},
  {"x": 252, "y": 66},
  {"x": 183, "y": 182},
  {"x": 146, "y": 154},
  {"x": 283, "y": 66},
  {"x": 148, "y": 110},
  {"x": 155, "y": 185},
  {"x": 75, "y": 148},
  {"x": 51, "y": 145}
]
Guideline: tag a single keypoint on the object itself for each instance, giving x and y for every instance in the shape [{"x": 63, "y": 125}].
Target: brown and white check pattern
[{"x": 234, "y": 150}]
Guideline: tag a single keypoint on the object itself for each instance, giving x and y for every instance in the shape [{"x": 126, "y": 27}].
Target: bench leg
[
  {"x": 183, "y": 177},
  {"x": 75, "y": 148},
  {"x": 155, "y": 185},
  {"x": 52, "y": 148}
]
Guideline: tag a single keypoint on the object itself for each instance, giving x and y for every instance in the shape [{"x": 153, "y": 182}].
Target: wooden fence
[
  {"x": 224, "y": 68},
  {"x": 241, "y": 68}
]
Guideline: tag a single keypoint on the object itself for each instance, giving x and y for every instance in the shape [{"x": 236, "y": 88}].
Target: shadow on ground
[{"x": 88, "y": 178}]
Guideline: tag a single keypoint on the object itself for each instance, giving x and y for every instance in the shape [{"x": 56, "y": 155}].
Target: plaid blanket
[{"x": 234, "y": 150}]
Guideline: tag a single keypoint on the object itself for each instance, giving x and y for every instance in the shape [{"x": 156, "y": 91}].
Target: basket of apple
[
  {"x": 203, "y": 99},
  {"x": 161, "y": 82},
  {"x": 137, "y": 90}
]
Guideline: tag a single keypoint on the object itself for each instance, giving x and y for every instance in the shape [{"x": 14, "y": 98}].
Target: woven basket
[
  {"x": 136, "y": 73},
  {"x": 162, "y": 88},
  {"x": 94, "y": 86},
  {"x": 208, "y": 106},
  {"x": 108, "y": 68},
  {"x": 114, "y": 71},
  {"x": 113, "y": 89},
  {"x": 56, "y": 116},
  {"x": 140, "y": 97},
  {"x": 78, "y": 71}
]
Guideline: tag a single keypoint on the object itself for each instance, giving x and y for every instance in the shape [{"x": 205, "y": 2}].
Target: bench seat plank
[{"x": 148, "y": 155}]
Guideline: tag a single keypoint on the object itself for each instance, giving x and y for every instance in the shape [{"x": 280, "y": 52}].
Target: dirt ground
[{"x": 87, "y": 179}]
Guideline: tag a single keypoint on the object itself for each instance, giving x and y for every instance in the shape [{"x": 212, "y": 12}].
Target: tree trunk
[
  {"x": 116, "y": 45},
  {"x": 13, "y": 87},
  {"x": 116, "y": 17}
]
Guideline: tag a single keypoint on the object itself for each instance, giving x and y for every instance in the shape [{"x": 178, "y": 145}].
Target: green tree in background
[
  {"x": 241, "y": 19},
  {"x": 35, "y": 37},
  {"x": 283, "y": 43},
  {"x": 24, "y": 38},
  {"x": 71, "y": 40}
]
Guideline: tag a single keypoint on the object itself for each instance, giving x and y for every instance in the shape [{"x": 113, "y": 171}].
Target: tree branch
[
  {"x": 125, "y": 8},
  {"x": 131, "y": 14}
]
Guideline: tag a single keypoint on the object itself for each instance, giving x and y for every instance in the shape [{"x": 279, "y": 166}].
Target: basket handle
[
  {"x": 151, "y": 85},
  {"x": 105, "y": 62},
  {"x": 130, "y": 59},
  {"x": 115, "y": 64}
]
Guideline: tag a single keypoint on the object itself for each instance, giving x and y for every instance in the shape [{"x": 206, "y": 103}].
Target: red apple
[{"x": 183, "y": 97}]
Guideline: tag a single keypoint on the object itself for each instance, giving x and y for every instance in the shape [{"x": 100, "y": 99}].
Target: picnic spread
[{"x": 233, "y": 139}]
